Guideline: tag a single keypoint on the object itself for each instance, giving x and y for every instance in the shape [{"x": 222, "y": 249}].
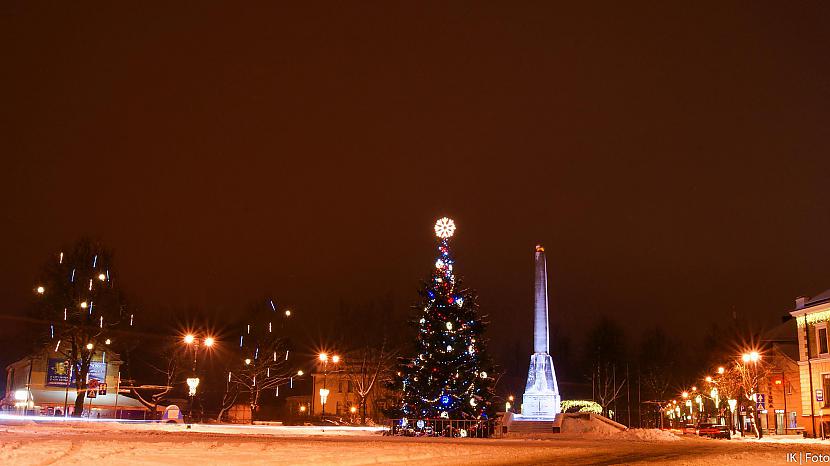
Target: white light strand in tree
[
  {"x": 95, "y": 261},
  {"x": 272, "y": 305},
  {"x": 269, "y": 327},
  {"x": 240, "y": 340},
  {"x": 90, "y": 284},
  {"x": 131, "y": 320},
  {"x": 286, "y": 355},
  {"x": 60, "y": 259},
  {"x": 52, "y": 330},
  {"x": 72, "y": 278},
  {"x": 57, "y": 346},
  {"x": 64, "y": 313},
  {"x": 101, "y": 324}
]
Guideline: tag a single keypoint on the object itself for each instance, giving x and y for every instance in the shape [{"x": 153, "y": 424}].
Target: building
[
  {"x": 812, "y": 316},
  {"x": 343, "y": 401},
  {"x": 42, "y": 384},
  {"x": 782, "y": 386}
]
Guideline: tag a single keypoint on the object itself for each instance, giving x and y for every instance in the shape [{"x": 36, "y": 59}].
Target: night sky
[{"x": 672, "y": 158}]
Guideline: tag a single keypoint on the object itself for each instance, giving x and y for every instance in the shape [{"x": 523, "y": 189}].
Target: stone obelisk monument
[{"x": 541, "y": 398}]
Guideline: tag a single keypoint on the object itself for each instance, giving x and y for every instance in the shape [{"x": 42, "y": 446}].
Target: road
[{"x": 36, "y": 444}]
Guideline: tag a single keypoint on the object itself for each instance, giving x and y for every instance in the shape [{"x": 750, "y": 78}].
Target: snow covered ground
[{"x": 29, "y": 443}]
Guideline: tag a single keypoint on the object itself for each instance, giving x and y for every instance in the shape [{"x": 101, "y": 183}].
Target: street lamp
[
  {"x": 324, "y": 358},
  {"x": 41, "y": 290},
  {"x": 192, "y": 382},
  {"x": 753, "y": 357},
  {"x": 721, "y": 370}
]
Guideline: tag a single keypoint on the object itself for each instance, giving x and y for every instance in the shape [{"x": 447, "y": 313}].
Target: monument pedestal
[
  {"x": 539, "y": 406},
  {"x": 541, "y": 397}
]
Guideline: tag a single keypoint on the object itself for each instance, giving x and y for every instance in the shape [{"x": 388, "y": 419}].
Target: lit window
[{"x": 821, "y": 335}]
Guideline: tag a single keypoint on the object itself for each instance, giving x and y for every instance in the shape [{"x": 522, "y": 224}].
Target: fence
[{"x": 475, "y": 428}]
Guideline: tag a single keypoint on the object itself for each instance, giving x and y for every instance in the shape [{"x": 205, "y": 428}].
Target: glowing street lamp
[
  {"x": 209, "y": 341},
  {"x": 89, "y": 346},
  {"x": 721, "y": 370},
  {"x": 709, "y": 378},
  {"x": 685, "y": 394},
  {"x": 102, "y": 277},
  {"x": 189, "y": 338},
  {"x": 353, "y": 409},
  {"x": 287, "y": 313},
  {"x": 323, "y": 357},
  {"x": 335, "y": 359},
  {"x": 300, "y": 372},
  {"x": 41, "y": 290},
  {"x": 84, "y": 304}
]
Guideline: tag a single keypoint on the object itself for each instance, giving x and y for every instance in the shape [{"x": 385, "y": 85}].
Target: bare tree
[
  {"x": 262, "y": 360},
  {"x": 366, "y": 368},
  {"x": 171, "y": 372},
  {"x": 606, "y": 388},
  {"x": 750, "y": 373}
]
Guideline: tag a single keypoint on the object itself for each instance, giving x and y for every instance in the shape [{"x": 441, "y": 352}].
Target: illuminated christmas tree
[{"x": 451, "y": 375}]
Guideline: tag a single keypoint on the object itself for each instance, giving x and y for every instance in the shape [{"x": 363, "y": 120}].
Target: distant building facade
[
  {"x": 342, "y": 397},
  {"x": 43, "y": 384}
]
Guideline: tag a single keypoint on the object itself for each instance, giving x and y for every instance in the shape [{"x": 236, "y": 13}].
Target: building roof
[
  {"x": 818, "y": 299},
  {"x": 784, "y": 337}
]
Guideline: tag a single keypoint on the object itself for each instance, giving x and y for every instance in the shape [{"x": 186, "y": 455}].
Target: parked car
[
  {"x": 689, "y": 429},
  {"x": 714, "y": 431}
]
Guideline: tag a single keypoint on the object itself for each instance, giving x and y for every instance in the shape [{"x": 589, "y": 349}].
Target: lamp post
[
  {"x": 324, "y": 392},
  {"x": 753, "y": 357},
  {"x": 193, "y": 343}
]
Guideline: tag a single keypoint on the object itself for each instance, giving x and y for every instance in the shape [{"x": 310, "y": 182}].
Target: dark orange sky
[{"x": 672, "y": 158}]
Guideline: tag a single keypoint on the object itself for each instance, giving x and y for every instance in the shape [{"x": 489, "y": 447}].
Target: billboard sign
[{"x": 57, "y": 372}]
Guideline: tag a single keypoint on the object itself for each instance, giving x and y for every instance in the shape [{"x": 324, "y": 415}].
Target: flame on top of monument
[
  {"x": 444, "y": 227},
  {"x": 539, "y": 248}
]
